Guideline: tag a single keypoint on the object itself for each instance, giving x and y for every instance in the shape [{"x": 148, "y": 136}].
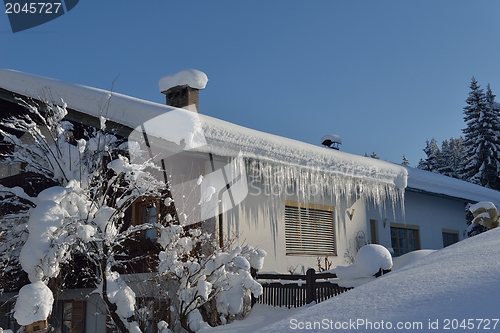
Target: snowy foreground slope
[{"x": 452, "y": 288}]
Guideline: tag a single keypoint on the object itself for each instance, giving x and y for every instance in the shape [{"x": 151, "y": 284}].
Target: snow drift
[{"x": 455, "y": 283}]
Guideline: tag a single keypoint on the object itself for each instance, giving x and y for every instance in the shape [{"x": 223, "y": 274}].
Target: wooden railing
[{"x": 293, "y": 291}]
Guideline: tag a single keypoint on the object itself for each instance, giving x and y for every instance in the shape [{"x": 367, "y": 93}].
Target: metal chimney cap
[{"x": 331, "y": 141}]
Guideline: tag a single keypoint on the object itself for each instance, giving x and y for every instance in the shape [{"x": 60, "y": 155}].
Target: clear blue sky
[{"x": 384, "y": 75}]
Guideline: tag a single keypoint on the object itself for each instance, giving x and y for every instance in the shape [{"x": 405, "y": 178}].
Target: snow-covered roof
[
  {"x": 191, "y": 77},
  {"x": 438, "y": 184},
  {"x": 226, "y": 139},
  {"x": 222, "y": 138}
]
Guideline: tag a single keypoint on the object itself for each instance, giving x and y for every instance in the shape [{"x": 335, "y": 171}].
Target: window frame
[
  {"x": 406, "y": 227},
  {"x": 8, "y": 320},
  {"x": 139, "y": 218},
  {"x": 299, "y": 236},
  {"x": 373, "y": 231},
  {"x": 450, "y": 232},
  {"x": 77, "y": 318}
]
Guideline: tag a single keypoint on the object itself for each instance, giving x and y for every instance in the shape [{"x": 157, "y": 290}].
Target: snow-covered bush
[
  {"x": 201, "y": 278},
  {"x": 83, "y": 215}
]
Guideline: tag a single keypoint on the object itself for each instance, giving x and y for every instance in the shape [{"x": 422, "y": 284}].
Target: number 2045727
[{"x": 32, "y": 7}]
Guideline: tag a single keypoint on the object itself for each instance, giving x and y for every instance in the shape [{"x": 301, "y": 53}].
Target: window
[
  {"x": 7, "y": 321},
  {"x": 146, "y": 212},
  {"x": 404, "y": 238},
  {"x": 309, "y": 229},
  {"x": 449, "y": 237},
  {"x": 373, "y": 231},
  {"x": 68, "y": 317}
]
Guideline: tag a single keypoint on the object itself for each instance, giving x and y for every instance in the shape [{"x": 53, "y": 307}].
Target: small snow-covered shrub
[{"x": 217, "y": 277}]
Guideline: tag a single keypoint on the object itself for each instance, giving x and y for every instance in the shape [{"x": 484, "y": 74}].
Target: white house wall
[
  {"x": 431, "y": 213},
  {"x": 259, "y": 221},
  {"x": 95, "y": 319}
]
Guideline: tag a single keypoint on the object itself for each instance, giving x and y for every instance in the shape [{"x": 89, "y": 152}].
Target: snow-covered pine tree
[
  {"x": 405, "y": 161},
  {"x": 456, "y": 147},
  {"x": 450, "y": 157},
  {"x": 481, "y": 159},
  {"x": 431, "y": 162},
  {"x": 444, "y": 157}
]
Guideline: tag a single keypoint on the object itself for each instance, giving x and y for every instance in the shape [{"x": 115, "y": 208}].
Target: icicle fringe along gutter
[{"x": 310, "y": 183}]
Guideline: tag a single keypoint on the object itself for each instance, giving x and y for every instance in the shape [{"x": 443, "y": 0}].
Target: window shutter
[
  {"x": 161, "y": 311},
  {"x": 78, "y": 317},
  {"x": 309, "y": 231}
]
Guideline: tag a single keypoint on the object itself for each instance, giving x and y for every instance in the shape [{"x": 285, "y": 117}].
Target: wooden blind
[
  {"x": 161, "y": 311},
  {"x": 78, "y": 317},
  {"x": 309, "y": 231}
]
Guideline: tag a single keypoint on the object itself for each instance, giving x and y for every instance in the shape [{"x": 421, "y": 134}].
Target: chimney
[
  {"x": 331, "y": 141},
  {"x": 182, "y": 89}
]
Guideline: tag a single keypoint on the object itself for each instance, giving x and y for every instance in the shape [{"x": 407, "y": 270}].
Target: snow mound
[
  {"x": 409, "y": 258},
  {"x": 373, "y": 257},
  {"x": 457, "y": 282},
  {"x": 33, "y": 304},
  {"x": 369, "y": 260},
  {"x": 194, "y": 78}
]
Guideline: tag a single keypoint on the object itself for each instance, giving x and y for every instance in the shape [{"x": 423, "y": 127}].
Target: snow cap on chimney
[
  {"x": 182, "y": 88},
  {"x": 187, "y": 77}
]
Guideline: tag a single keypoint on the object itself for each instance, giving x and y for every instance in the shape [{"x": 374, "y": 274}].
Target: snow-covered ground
[{"x": 456, "y": 288}]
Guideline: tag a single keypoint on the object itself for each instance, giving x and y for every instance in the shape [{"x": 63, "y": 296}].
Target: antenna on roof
[{"x": 331, "y": 141}]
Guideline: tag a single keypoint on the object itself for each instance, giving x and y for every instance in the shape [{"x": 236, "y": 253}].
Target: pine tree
[
  {"x": 450, "y": 157},
  {"x": 431, "y": 163},
  {"x": 481, "y": 158},
  {"x": 405, "y": 161},
  {"x": 445, "y": 167},
  {"x": 457, "y": 151},
  {"x": 494, "y": 122}
]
